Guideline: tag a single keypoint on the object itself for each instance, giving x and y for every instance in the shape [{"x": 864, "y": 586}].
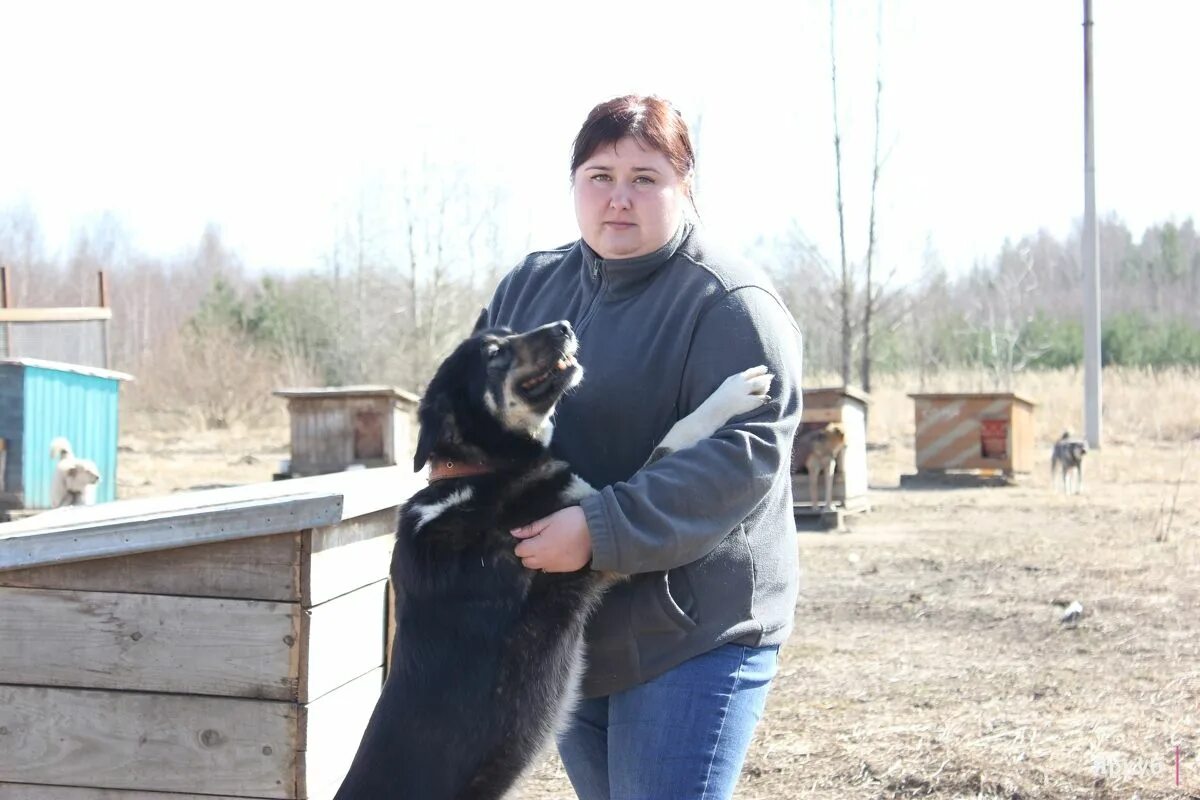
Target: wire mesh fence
[{"x": 74, "y": 341}]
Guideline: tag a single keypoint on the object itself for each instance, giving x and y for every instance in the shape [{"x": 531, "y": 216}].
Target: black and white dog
[
  {"x": 487, "y": 655},
  {"x": 1066, "y": 463}
]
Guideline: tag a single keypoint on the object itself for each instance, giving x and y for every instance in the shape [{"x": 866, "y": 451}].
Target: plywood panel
[
  {"x": 102, "y": 640},
  {"x": 948, "y": 432},
  {"x": 123, "y": 740},
  {"x": 342, "y": 640},
  {"x": 262, "y": 568},
  {"x": 334, "y": 726}
]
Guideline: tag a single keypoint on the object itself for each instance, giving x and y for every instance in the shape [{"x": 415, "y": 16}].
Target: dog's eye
[{"x": 494, "y": 353}]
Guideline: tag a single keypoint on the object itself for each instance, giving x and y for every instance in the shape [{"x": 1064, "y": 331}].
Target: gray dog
[{"x": 1066, "y": 462}]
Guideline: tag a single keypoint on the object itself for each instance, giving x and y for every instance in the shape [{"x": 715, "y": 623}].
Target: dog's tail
[{"x": 60, "y": 448}]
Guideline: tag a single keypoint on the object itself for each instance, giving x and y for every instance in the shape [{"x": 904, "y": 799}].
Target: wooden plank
[
  {"x": 54, "y": 314},
  {"x": 192, "y": 518},
  {"x": 262, "y": 568},
  {"x": 390, "y": 639},
  {"x": 821, "y": 415},
  {"x": 368, "y": 526},
  {"x": 23, "y": 544},
  {"x": 363, "y": 491},
  {"x": 341, "y": 558},
  {"x": 336, "y": 572},
  {"x": 342, "y": 640},
  {"x": 363, "y": 390},
  {"x": 331, "y": 729},
  {"x": 102, "y": 640},
  {"x": 153, "y": 742},
  {"x": 29, "y": 791}
]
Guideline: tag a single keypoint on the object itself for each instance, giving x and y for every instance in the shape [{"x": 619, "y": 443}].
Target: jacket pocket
[{"x": 669, "y": 607}]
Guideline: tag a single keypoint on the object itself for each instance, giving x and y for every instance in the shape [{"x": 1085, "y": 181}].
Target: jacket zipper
[{"x": 591, "y": 309}]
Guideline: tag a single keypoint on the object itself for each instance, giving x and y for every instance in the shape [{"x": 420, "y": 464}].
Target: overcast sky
[{"x": 269, "y": 118}]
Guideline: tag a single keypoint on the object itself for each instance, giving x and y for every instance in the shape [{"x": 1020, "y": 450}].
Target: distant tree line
[
  {"x": 1020, "y": 310},
  {"x": 203, "y": 332}
]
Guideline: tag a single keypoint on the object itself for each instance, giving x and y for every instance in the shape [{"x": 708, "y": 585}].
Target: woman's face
[{"x": 628, "y": 200}]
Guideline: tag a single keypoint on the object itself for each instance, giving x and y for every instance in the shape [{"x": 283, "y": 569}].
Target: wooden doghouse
[
  {"x": 822, "y": 406},
  {"x": 973, "y": 435},
  {"x": 41, "y": 400},
  {"x": 335, "y": 428},
  {"x": 226, "y": 643}
]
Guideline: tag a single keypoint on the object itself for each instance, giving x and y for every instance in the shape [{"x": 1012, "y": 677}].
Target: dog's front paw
[{"x": 741, "y": 393}]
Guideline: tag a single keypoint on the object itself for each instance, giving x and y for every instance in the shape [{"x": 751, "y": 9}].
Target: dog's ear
[
  {"x": 425, "y": 443},
  {"x": 432, "y": 417},
  {"x": 481, "y": 322}
]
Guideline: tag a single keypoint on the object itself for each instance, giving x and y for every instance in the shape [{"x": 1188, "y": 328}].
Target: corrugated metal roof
[{"x": 61, "y": 366}]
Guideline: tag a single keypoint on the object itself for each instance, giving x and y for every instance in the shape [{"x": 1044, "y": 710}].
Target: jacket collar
[{"x": 626, "y": 276}]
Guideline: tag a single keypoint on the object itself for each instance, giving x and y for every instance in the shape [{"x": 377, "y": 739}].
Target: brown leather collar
[{"x": 441, "y": 469}]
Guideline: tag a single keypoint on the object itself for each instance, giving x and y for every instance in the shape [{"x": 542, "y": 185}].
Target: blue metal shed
[{"x": 41, "y": 400}]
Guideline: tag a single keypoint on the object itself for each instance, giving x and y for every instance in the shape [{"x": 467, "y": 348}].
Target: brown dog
[{"x": 825, "y": 446}]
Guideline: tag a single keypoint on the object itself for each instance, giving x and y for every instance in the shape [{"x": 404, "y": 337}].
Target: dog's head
[
  {"x": 493, "y": 397},
  {"x": 835, "y": 434},
  {"x": 81, "y": 475},
  {"x": 1072, "y": 449}
]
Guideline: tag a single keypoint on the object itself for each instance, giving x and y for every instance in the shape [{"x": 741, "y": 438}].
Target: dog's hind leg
[
  {"x": 832, "y": 467},
  {"x": 813, "y": 465}
]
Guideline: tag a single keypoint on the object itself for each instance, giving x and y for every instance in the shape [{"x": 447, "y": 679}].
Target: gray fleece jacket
[{"x": 707, "y": 533}]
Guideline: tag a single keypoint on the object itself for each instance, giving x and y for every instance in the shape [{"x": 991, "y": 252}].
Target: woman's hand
[{"x": 560, "y": 542}]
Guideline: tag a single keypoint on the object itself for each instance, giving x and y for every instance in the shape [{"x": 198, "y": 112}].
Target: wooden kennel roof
[{"x": 190, "y": 518}]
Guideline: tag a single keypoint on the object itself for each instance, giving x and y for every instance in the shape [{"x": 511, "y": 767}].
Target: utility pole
[{"x": 1091, "y": 250}]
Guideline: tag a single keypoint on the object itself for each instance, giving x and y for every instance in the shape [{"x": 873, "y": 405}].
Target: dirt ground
[{"x": 928, "y": 658}]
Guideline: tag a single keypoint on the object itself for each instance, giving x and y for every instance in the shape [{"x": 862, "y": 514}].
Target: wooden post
[
  {"x": 103, "y": 283},
  {"x": 6, "y": 302}
]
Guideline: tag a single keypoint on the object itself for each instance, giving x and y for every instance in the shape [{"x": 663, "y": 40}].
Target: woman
[{"x": 680, "y": 656}]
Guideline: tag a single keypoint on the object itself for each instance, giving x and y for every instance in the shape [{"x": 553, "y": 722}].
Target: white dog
[{"x": 75, "y": 479}]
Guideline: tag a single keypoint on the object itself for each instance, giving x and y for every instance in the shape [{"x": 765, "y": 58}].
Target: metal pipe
[{"x": 1091, "y": 250}]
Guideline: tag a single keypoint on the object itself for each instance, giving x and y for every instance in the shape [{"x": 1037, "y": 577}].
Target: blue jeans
[{"x": 680, "y": 736}]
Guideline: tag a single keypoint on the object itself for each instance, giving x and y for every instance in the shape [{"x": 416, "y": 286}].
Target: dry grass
[
  {"x": 1139, "y": 404},
  {"x": 928, "y": 658}
]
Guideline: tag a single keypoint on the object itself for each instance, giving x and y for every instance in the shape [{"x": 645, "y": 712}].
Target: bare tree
[
  {"x": 846, "y": 290},
  {"x": 1003, "y": 307},
  {"x": 871, "y": 299},
  {"x": 877, "y": 296}
]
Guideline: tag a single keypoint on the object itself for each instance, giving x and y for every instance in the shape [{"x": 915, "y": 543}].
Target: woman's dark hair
[{"x": 651, "y": 121}]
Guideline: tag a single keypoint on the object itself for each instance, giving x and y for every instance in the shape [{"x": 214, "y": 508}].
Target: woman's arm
[{"x": 677, "y": 510}]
